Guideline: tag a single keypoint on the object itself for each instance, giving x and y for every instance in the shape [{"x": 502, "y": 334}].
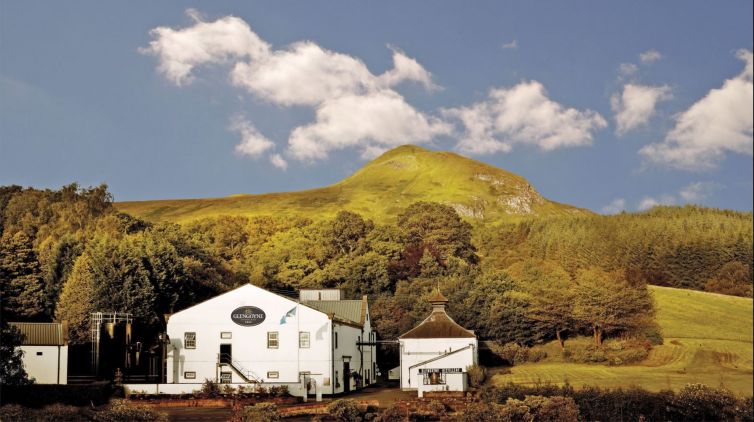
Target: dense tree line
[
  {"x": 67, "y": 253},
  {"x": 686, "y": 247}
]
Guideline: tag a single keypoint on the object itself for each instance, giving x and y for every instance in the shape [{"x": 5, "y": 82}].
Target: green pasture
[{"x": 708, "y": 339}]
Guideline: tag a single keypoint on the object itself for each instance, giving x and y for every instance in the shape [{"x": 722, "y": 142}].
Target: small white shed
[
  {"x": 45, "y": 351},
  {"x": 435, "y": 354}
]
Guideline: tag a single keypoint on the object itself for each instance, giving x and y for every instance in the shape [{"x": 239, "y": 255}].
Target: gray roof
[
  {"x": 41, "y": 333},
  {"x": 353, "y": 311}
]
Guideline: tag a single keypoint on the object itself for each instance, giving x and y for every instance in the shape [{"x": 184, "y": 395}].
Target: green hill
[
  {"x": 708, "y": 339},
  {"x": 380, "y": 190}
]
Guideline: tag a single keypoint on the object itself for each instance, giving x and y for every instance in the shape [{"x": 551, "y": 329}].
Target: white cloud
[
  {"x": 650, "y": 56},
  {"x": 354, "y": 108},
  {"x": 380, "y": 119},
  {"x": 650, "y": 202},
  {"x": 693, "y": 192},
  {"x": 278, "y": 161},
  {"x": 523, "y": 114},
  {"x": 616, "y": 206},
  {"x": 626, "y": 70},
  {"x": 406, "y": 69},
  {"x": 511, "y": 45},
  {"x": 181, "y": 50},
  {"x": 698, "y": 191},
  {"x": 718, "y": 123},
  {"x": 636, "y": 105},
  {"x": 253, "y": 143}
]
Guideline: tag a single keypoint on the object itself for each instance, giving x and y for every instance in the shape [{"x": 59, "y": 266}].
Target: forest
[{"x": 66, "y": 253}]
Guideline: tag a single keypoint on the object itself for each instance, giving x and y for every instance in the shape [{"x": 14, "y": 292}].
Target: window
[
  {"x": 189, "y": 340},
  {"x": 273, "y": 374},
  {"x": 336, "y": 340},
  {"x": 272, "y": 340},
  {"x": 226, "y": 335},
  {"x": 337, "y": 380},
  {"x": 39, "y": 353},
  {"x": 189, "y": 375},
  {"x": 303, "y": 339},
  {"x": 434, "y": 378},
  {"x": 226, "y": 377}
]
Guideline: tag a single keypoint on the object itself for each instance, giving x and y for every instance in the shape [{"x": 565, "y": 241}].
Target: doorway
[
  {"x": 346, "y": 377},
  {"x": 226, "y": 353}
]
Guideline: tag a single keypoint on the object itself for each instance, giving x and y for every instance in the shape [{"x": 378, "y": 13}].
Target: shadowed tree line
[{"x": 67, "y": 253}]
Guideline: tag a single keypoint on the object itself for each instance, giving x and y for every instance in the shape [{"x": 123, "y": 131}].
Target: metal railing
[{"x": 248, "y": 375}]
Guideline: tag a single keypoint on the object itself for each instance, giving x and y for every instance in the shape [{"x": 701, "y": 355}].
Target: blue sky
[{"x": 602, "y": 105}]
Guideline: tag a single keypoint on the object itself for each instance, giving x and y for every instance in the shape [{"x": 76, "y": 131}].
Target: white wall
[
  {"x": 249, "y": 344},
  {"x": 415, "y": 351},
  {"x": 49, "y": 367},
  {"x": 189, "y": 388},
  {"x": 453, "y": 382}
]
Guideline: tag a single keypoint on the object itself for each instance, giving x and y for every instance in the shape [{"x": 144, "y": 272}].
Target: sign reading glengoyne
[{"x": 248, "y": 316}]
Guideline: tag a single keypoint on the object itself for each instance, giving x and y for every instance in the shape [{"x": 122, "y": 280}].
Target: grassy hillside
[
  {"x": 708, "y": 339},
  {"x": 379, "y": 191}
]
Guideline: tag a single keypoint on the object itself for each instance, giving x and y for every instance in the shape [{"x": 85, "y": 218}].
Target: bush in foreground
[
  {"x": 695, "y": 402},
  {"x": 260, "y": 412},
  {"x": 477, "y": 375},
  {"x": 344, "y": 410},
  {"x": 532, "y": 408},
  {"x": 699, "y": 402},
  {"x": 120, "y": 410}
]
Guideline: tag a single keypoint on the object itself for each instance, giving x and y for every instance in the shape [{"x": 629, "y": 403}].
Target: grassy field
[
  {"x": 708, "y": 339},
  {"x": 380, "y": 190}
]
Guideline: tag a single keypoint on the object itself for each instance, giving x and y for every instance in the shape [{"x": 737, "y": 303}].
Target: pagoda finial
[{"x": 437, "y": 299}]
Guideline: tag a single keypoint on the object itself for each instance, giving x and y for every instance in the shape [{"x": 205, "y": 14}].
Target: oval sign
[{"x": 248, "y": 316}]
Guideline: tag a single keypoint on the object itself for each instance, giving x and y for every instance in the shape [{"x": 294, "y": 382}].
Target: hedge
[{"x": 39, "y": 395}]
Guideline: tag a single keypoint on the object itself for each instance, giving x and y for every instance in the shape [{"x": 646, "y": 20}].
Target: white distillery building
[
  {"x": 45, "y": 351},
  {"x": 250, "y": 335},
  {"x": 435, "y": 354}
]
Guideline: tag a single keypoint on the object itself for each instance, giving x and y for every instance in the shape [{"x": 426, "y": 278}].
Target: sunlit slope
[
  {"x": 708, "y": 339},
  {"x": 380, "y": 190}
]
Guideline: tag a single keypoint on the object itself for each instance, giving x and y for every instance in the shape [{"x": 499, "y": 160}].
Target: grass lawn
[{"x": 708, "y": 339}]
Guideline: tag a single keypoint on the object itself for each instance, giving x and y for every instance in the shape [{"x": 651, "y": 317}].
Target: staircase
[{"x": 247, "y": 375}]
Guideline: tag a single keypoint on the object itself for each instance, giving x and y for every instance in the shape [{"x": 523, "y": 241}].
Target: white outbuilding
[
  {"x": 45, "y": 351},
  {"x": 435, "y": 354},
  {"x": 250, "y": 335}
]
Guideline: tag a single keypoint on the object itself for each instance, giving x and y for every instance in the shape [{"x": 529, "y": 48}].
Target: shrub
[
  {"x": 228, "y": 390},
  {"x": 59, "y": 413},
  {"x": 395, "y": 413},
  {"x": 278, "y": 390},
  {"x": 477, "y": 375},
  {"x": 514, "y": 410},
  {"x": 436, "y": 408},
  {"x": 261, "y": 412},
  {"x": 536, "y": 355},
  {"x": 699, "y": 402},
  {"x": 511, "y": 353},
  {"x": 745, "y": 409},
  {"x": 210, "y": 388},
  {"x": 39, "y": 395},
  {"x": 581, "y": 353},
  {"x": 344, "y": 410},
  {"x": 554, "y": 409},
  {"x": 121, "y": 410},
  {"x": 15, "y": 413},
  {"x": 652, "y": 332}
]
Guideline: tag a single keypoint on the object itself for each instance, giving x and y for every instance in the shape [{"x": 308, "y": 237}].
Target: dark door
[
  {"x": 226, "y": 353},
  {"x": 346, "y": 377}
]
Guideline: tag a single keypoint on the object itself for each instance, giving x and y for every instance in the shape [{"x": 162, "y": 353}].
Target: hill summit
[{"x": 380, "y": 190}]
